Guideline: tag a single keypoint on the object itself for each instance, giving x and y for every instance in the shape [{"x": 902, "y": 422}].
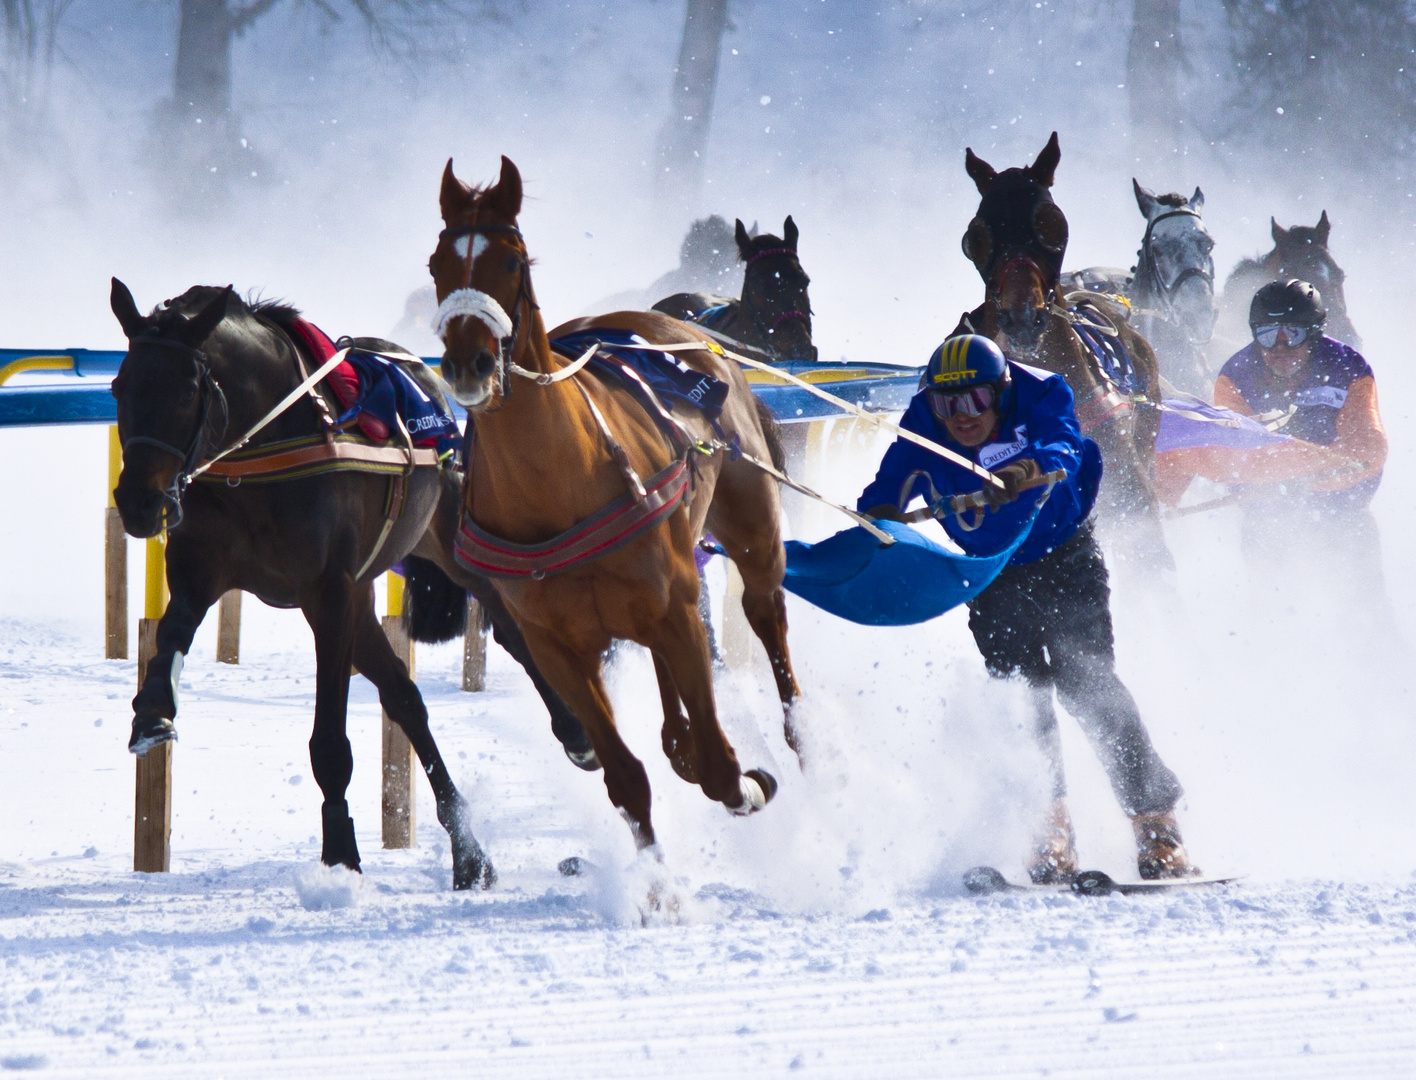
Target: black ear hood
[{"x": 1021, "y": 219}]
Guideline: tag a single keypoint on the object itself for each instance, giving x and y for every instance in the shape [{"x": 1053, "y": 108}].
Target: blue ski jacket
[{"x": 1039, "y": 422}]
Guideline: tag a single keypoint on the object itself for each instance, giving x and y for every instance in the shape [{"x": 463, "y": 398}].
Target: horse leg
[
  {"x": 751, "y": 540},
  {"x": 676, "y": 734},
  {"x": 399, "y": 696},
  {"x": 681, "y": 647},
  {"x": 567, "y": 729},
  {"x": 330, "y": 614},
  {"x": 155, "y": 706},
  {"x": 575, "y": 676}
]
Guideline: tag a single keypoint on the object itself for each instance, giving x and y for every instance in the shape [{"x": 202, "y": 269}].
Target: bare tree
[
  {"x": 1155, "y": 64},
  {"x": 30, "y": 29},
  {"x": 683, "y": 140}
]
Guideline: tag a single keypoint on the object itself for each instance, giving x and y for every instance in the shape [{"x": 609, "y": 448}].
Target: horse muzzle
[
  {"x": 469, "y": 382},
  {"x": 1023, "y": 328},
  {"x": 144, "y": 509}
]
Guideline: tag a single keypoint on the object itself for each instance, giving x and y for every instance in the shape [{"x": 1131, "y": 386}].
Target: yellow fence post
[
  {"x": 152, "y": 813},
  {"x": 115, "y": 562},
  {"x": 400, "y": 803}
]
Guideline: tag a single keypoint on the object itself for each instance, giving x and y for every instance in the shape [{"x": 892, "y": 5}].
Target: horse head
[
  {"x": 774, "y": 291},
  {"x": 1175, "y": 268},
  {"x": 1302, "y": 252},
  {"x": 171, "y": 411},
  {"x": 483, "y": 279},
  {"x": 1016, "y": 240}
]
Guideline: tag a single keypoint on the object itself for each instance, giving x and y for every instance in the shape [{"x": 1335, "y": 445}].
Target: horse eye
[{"x": 511, "y": 262}]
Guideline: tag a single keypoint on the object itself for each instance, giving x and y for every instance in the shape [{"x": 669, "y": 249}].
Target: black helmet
[{"x": 1287, "y": 303}]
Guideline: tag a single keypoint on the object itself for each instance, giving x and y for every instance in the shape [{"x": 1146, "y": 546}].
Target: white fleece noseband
[{"x": 478, "y": 305}]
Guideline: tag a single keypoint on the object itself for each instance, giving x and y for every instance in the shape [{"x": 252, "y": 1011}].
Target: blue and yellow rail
[{"x": 74, "y": 387}]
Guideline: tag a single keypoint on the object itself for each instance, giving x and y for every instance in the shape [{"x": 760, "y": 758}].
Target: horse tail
[
  {"x": 772, "y": 432},
  {"x": 436, "y": 605}
]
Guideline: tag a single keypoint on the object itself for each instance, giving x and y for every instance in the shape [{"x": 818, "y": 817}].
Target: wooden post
[
  {"x": 115, "y": 562},
  {"x": 400, "y": 802},
  {"x": 152, "y": 805},
  {"x": 228, "y": 628},
  {"x": 474, "y": 650}
]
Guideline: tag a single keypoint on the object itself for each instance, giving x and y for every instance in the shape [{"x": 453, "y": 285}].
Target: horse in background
[
  {"x": 1300, "y": 252},
  {"x": 1171, "y": 287},
  {"x": 558, "y": 456},
  {"x": 773, "y": 315},
  {"x": 1017, "y": 241}
]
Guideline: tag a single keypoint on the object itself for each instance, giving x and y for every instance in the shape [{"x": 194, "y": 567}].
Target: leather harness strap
[
  {"x": 1105, "y": 403},
  {"x": 308, "y": 456},
  {"x": 611, "y": 527}
]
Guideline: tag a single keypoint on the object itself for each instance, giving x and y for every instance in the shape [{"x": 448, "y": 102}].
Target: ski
[{"x": 985, "y": 880}]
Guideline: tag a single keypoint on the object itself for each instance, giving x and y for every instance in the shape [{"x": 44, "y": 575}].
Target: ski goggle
[
  {"x": 1267, "y": 336},
  {"x": 974, "y": 401}
]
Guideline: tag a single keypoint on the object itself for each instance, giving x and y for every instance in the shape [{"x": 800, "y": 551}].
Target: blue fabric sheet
[
  {"x": 670, "y": 377},
  {"x": 387, "y": 391},
  {"x": 911, "y": 581}
]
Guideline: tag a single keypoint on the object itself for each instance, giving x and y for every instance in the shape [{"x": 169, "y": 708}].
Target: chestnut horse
[
  {"x": 1300, "y": 252},
  {"x": 1017, "y": 240},
  {"x": 548, "y": 455}
]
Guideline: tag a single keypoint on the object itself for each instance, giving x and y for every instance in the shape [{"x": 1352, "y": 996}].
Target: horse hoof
[
  {"x": 758, "y": 788},
  {"x": 473, "y": 871},
  {"x": 150, "y": 731},
  {"x": 583, "y": 759}
]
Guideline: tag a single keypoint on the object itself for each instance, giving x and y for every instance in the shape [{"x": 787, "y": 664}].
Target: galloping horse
[
  {"x": 305, "y": 518},
  {"x": 1300, "y": 252},
  {"x": 774, "y": 313},
  {"x": 1016, "y": 240},
  {"x": 583, "y": 549},
  {"x": 1171, "y": 287}
]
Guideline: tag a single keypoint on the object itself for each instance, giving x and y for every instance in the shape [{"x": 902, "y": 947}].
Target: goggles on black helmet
[
  {"x": 974, "y": 401},
  {"x": 1267, "y": 336}
]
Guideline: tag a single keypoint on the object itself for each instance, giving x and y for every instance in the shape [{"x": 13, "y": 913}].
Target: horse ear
[
  {"x": 1144, "y": 199},
  {"x": 744, "y": 240},
  {"x": 789, "y": 232},
  {"x": 1277, "y": 231},
  {"x": 1044, "y": 169},
  {"x": 197, "y": 328},
  {"x": 454, "y": 196},
  {"x": 1323, "y": 229},
  {"x": 120, "y": 299},
  {"x": 1197, "y": 200},
  {"x": 981, "y": 172},
  {"x": 506, "y": 196}
]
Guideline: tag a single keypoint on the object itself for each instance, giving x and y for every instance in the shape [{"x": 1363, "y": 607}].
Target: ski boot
[
  {"x": 1054, "y": 855},
  {"x": 1160, "y": 852}
]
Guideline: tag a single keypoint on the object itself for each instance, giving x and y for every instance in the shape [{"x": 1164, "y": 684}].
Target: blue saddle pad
[
  {"x": 911, "y": 581},
  {"x": 669, "y": 376}
]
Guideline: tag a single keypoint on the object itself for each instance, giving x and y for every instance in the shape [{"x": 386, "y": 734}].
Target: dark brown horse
[
  {"x": 1017, "y": 240},
  {"x": 548, "y": 455},
  {"x": 1300, "y": 252},
  {"x": 774, "y": 313},
  {"x": 201, "y": 370}
]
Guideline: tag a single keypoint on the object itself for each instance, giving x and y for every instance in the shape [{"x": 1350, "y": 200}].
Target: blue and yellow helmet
[{"x": 964, "y": 361}]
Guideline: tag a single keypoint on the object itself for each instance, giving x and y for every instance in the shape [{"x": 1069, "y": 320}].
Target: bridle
[
  {"x": 803, "y": 317},
  {"x": 1148, "y": 273},
  {"x": 204, "y": 440},
  {"x": 470, "y": 302}
]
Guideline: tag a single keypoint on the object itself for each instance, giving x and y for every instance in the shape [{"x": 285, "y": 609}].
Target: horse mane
[
  {"x": 198, "y": 296},
  {"x": 1172, "y": 199},
  {"x": 763, "y": 242}
]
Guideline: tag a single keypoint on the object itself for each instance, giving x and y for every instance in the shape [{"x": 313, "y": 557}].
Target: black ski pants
[{"x": 1050, "y": 621}]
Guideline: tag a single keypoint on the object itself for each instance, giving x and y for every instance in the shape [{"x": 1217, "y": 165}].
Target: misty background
[{"x": 294, "y": 147}]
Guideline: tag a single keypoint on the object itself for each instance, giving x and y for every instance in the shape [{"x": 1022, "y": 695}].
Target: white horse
[{"x": 1171, "y": 287}]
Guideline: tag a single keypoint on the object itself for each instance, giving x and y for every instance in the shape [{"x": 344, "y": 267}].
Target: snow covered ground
[{"x": 827, "y": 936}]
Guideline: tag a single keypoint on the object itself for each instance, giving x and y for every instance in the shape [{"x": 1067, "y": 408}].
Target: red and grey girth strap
[
  {"x": 1105, "y": 403},
  {"x": 609, "y": 528}
]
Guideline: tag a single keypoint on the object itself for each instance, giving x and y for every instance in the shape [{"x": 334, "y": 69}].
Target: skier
[
  {"x": 1047, "y": 616},
  {"x": 1313, "y": 387}
]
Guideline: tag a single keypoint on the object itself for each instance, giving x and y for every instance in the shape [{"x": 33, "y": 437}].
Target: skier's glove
[{"x": 1014, "y": 475}]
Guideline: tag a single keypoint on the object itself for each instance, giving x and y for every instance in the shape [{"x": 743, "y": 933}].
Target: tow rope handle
[{"x": 975, "y": 500}]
